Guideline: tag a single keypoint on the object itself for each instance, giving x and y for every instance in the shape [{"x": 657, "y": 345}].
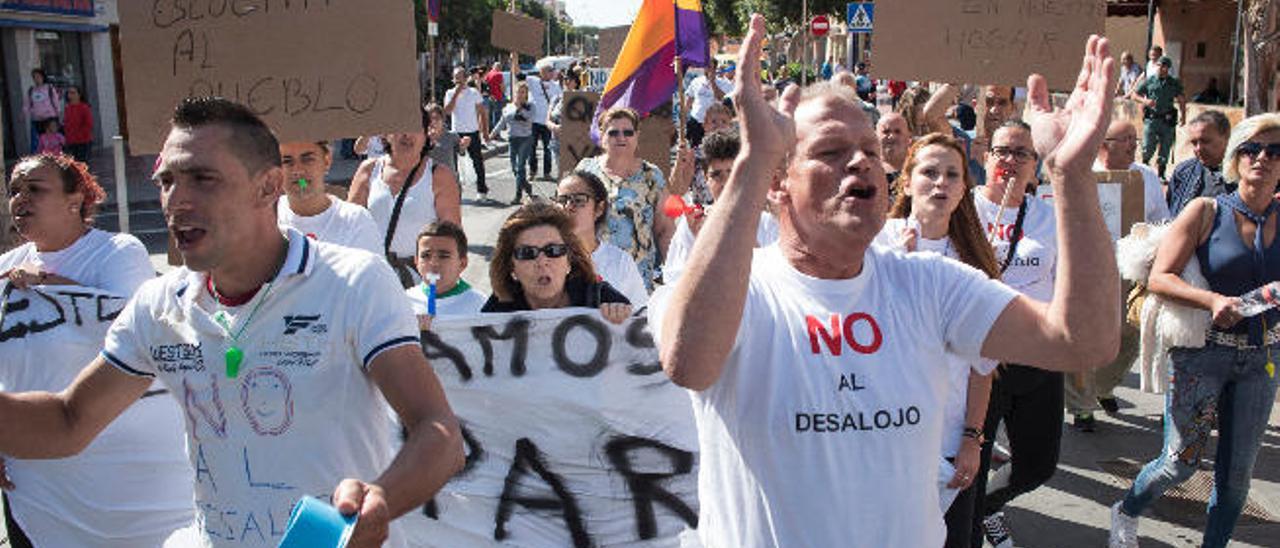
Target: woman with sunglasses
[
  {"x": 1022, "y": 229},
  {"x": 1230, "y": 382},
  {"x": 539, "y": 263},
  {"x": 935, "y": 212},
  {"x": 583, "y": 196},
  {"x": 636, "y": 190}
]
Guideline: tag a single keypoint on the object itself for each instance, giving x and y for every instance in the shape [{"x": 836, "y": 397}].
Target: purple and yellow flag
[{"x": 643, "y": 77}]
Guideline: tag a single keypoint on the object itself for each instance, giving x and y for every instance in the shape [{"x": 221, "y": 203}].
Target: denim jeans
[
  {"x": 1212, "y": 386},
  {"x": 521, "y": 147}
]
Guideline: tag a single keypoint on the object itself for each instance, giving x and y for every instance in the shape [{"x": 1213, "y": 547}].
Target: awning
[{"x": 52, "y": 25}]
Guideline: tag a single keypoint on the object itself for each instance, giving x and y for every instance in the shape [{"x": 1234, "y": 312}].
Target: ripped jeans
[{"x": 1215, "y": 386}]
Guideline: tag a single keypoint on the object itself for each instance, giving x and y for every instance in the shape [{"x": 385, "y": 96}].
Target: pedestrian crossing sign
[{"x": 860, "y": 16}]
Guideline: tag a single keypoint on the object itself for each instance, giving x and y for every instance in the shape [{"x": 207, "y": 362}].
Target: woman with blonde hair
[
  {"x": 1230, "y": 382},
  {"x": 934, "y": 211}
]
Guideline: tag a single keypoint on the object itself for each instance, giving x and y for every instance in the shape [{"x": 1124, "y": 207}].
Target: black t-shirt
[{"x": 581, "y": 294}]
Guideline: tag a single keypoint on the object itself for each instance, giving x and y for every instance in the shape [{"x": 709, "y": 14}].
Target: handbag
[{"x": 402, "y": 267}]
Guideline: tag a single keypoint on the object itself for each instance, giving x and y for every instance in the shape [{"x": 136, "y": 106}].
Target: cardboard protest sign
[
  {"x": 517, "y": 32},
  {"x": 610, "y": 44},
  {"x": 656, "y": 131},
  {"x": 1122, "y": 197},
  {"x": 302, "y": 66},
  {"x": 985, "y": 41},
  {"x": 574, "y": 436}
]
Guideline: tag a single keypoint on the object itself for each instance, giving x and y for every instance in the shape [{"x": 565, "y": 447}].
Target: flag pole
[
  {"x": 679, "y": 100},
  {"x": 515, "y": 65}
]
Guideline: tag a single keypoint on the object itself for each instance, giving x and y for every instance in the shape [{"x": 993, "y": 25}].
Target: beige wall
[
  {"x": 1194, "y": 22},
  {"x": 1128, "y": 34}
]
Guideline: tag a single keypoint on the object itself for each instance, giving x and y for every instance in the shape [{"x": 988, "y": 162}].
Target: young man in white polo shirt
[
  {"x": 279, "y": 349},
  {"x": 307, "y": 207},
  {"x": 465, "y": 106},
  {"x": 819, "y": 365}
]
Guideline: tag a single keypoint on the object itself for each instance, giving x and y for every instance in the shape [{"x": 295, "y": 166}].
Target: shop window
[{"x": 59, "y": 54}]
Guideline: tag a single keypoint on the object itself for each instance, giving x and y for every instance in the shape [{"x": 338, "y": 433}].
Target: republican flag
[{"x": 644, "y": 77}]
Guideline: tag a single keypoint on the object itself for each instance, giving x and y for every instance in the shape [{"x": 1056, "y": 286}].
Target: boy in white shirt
[
  {"x": 442, "y": 254},
  {"x": 307, "y": 207}
]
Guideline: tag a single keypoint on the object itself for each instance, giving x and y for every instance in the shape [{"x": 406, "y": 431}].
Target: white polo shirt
[
  {"x": 464, "y": 110},
  {"x": 302, "y": 414},
  {"x": 342, "y": 223}
]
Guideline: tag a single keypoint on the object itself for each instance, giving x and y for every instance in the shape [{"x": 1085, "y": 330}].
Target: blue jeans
[
  {"x": 521, "y": 147},
  {"x": 1212, "y": 386}
]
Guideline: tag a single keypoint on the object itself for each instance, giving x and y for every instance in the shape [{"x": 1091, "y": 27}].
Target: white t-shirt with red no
[
  {"x": 825, "y": 426},
  {"x": 1035, "y": 261}
]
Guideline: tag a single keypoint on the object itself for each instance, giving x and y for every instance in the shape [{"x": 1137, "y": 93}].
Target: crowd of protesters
[{"x": 801, "y": 203}]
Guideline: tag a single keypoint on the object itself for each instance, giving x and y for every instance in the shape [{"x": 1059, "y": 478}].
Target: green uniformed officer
[{"x": 1157, "y": 94}]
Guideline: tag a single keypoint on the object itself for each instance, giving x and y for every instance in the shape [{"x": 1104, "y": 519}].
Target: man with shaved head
[
  {"x": 895, "y": 139},
  {"x": 819, "y": 365}
]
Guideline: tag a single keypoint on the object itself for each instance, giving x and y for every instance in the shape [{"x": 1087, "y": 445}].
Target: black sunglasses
[
  {"x": 529, "y": 253},
  {"x": 622, "y": 132},
  {"x": 1252, "y": 149},
  {"x": 578, "y": 199}
]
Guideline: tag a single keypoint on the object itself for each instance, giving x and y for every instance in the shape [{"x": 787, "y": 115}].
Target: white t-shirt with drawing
[
  {"x": 342, "y": 223},
  {"x": 92, "y": 498},
  {"x": 825, "y": 426},
  {"x": 302, "y": 413}
]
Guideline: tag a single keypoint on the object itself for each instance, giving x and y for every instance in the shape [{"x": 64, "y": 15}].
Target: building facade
[{"x": 75, "y": 42}]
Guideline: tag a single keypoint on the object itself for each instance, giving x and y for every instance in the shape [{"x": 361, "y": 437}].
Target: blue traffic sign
[{"x": 860, "y": 17}]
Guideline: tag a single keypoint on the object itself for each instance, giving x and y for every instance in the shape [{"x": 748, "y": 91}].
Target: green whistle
[{"x": 302, "y": 183}]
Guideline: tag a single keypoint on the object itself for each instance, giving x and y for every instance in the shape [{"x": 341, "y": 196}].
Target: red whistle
[
  {"x": 675, "y": 206},
  {"x": 1003, "y": 173}
]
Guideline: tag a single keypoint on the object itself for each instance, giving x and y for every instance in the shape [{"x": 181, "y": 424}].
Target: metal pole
[
  {"x": 679, "y": 66},
  {"x": 1235, "y": 52},
  {"x": 515, "y": 63},
  {"x": 122, "y": 184},
  {"x": 804, "y": 43},
  {"x": 431, "y": 65}
]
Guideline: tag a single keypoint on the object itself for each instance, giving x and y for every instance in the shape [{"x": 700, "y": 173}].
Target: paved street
[{"x": 1071, "y": 511}]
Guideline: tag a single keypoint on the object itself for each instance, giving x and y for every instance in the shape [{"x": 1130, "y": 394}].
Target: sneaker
[
  {"x": 1084, "y": 422},
  {"x": 1124, "y": 529},
  {"x": 1110, "y": 405},
  {"x": 996, "y": 528},
  {"x": 1000, "y": 454}
]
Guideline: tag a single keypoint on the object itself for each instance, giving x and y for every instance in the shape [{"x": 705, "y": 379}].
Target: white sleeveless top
[{"x": 419, "y": 208}]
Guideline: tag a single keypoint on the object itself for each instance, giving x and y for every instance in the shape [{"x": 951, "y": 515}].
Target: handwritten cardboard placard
[
  {"x": 302, "y": 66},
  {"x": 985, "y": 41},
  {"x": 1121, "y": 194},
  {"x": 656, "y": 132},
  {"x": 573, "y": 434},
  {"x": 611, "y": 40},
  {"x": 516, "y": 32}
]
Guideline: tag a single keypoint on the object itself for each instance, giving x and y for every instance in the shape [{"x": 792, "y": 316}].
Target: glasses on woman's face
[
  {"x": 1018, "y": 155},
  {"x": 628, "y": 133},
  {"x": 1254, "y": 149},
  {"x": 574, "y": 199},
  {"x": 529, "y": 253}
]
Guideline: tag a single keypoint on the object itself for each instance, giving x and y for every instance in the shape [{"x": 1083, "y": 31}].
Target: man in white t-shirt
[
  {"x": 442, "y": 251},
  {"x": 720, "y": 149},
  {"x": 544, "y": 89},
  {"x": 465, "y": 106},
  {"x": 1093, "y": 391},
  {"x": 699, "y": 96},
  {"x": 818, "y": 365},
  {"x": 279, "y": 349},
  {"x": 307, "y": 207}
]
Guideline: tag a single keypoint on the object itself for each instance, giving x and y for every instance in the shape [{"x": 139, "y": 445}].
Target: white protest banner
[
  {"x": 313, "y": 70},
  {"x": 574, "y": 436},
  {"x": 984, "y": 41}
]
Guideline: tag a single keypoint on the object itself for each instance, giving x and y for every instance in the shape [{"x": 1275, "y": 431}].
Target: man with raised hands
[{"x": 817, "y": 364}]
